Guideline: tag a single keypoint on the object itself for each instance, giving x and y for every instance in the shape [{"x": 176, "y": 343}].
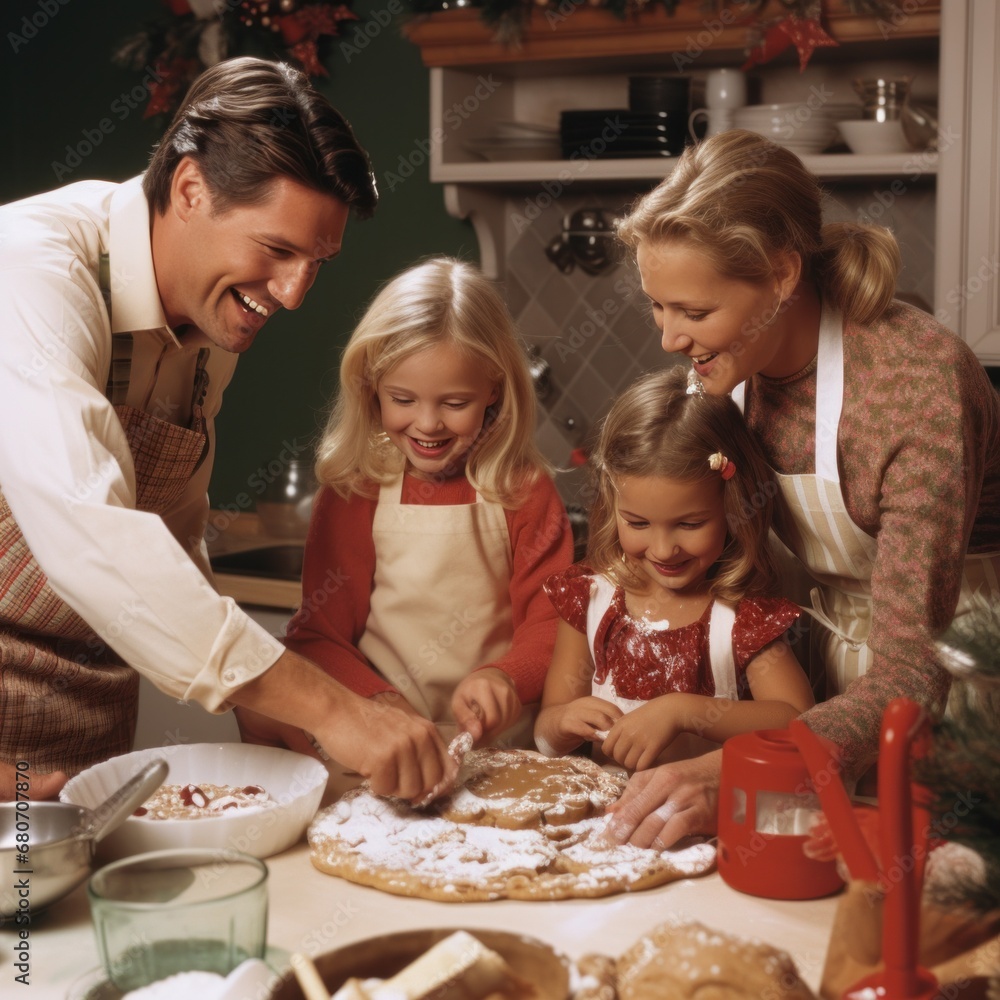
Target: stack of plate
[
  {"x": 659, "y": 93},
  {"x": 514, "y": 140},
  {"x": 618, "y": 133},
  {"x": 796, "y": 126}
]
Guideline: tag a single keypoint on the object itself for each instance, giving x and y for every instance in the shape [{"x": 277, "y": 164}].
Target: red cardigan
[{"x": 340, "y": 565}]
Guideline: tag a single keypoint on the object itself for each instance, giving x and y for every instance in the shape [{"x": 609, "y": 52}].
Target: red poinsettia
[
  {"x": 805, "y": 33},
  {"x": 193, "y": 34}
]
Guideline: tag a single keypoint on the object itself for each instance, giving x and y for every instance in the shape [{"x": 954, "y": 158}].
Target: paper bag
[{"x": 960, "y": 947}]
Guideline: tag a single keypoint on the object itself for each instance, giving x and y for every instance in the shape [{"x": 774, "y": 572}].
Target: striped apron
[
  {"x": 835, "y": 552},
  {"x": 67, "y": 699}
]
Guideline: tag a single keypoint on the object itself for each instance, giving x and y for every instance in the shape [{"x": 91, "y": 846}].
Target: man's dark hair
[{"x": 246, "y": 121}]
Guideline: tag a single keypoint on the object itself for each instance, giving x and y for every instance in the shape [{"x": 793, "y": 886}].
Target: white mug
[
  {"x": 725, "y": 89},
  {"x": 719, "y": 119}
]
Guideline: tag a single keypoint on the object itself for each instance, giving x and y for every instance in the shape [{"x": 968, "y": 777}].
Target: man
[{"x": 127, "y": 305}]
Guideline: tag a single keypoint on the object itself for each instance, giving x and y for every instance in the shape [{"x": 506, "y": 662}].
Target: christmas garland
[
  {"x": 192, "y": 35},
  {"x": 771, "y": 28}
]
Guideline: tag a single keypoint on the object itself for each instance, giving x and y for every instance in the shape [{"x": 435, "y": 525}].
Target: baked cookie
[
  {"x": 682, "y": 960},
  {"x": 520, "y": 826}
]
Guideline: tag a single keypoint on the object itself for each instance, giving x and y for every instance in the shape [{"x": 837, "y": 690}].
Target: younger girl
[
  {"x": 672, "y": 617},
  {"x": 437, "y": 523}
]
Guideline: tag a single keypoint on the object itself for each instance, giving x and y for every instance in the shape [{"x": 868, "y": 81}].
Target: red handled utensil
[
  {"x": 905, "y": 731},
  {"x": 825, "y": 773},
  {"x": 902, "y": 844}
]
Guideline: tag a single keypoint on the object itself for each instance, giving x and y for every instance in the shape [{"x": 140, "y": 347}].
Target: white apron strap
[
  {"x": 829, "y": 392},
  {"x": 720, "y": 650},
  {"x": 602, "y": 591}
]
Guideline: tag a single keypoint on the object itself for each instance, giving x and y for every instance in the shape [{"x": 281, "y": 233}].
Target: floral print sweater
[{"x": 919, "y": 454}]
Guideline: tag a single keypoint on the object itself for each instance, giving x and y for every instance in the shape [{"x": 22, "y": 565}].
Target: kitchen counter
[
  {"x": 316, "y": 913},
  {"x": 227, "y": 534}
]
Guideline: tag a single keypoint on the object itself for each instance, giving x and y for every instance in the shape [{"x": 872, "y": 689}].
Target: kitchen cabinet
[
  {"x": 575, "y": 57},
  {"x": 968, "y": 205}
]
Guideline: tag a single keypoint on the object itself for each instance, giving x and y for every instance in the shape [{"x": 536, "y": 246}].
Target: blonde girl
[
  {"x": 669, "y": 631},
  {"x": 437, "y": 520}
]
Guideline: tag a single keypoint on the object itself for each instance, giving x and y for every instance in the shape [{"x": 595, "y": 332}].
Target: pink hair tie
[{"x": 719, "y": 463}]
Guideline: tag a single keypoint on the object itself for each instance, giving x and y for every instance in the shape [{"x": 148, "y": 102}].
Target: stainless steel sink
[{"x": 277, "y": 562}]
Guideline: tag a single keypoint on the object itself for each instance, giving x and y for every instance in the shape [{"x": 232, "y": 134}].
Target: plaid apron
[{"x": 67, "y": 699}]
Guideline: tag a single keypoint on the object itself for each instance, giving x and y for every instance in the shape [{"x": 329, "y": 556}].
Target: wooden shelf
[
  {"x": 611, "y": 171},
  {"x": 460, "y": 38}
]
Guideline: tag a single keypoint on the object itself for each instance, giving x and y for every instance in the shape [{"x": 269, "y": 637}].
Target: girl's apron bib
[
  {"x": 721, "y": 661},
  {"x": 440, "y": 601},
  {"x": 836, "y": 553},
  {"x": 66, "y": 699}
]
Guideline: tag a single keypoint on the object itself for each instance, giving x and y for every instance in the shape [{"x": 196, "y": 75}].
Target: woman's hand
[
  {"x": 638, "y": 738},
  {"x": 485, "y": 703},
  {"x": 666, "y": 803}
]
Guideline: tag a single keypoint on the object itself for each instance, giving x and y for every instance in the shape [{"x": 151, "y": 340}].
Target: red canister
[{"x": 767, "y": 803}]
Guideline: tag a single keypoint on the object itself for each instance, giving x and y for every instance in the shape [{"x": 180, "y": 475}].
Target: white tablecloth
[{"x": 315, "y": 913}]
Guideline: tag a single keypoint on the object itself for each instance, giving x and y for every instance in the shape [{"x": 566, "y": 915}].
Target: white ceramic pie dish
[{"x": 294, "y": 780}]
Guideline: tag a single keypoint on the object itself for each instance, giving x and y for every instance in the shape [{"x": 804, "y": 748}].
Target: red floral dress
[{"x": 642, "y": 661}]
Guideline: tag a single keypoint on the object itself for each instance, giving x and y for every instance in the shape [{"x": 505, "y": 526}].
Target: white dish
[
  {"x": 294, "y": 780},
  {"x": 515, "y": 149},
  {"x": 525, "y": 130},
  {"x": 866, "y": 136}
]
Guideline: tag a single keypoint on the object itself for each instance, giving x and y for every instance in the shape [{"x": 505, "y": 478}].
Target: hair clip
[
  {"x": 694, "y": 386},
  {"x": 719, "y": 463}
]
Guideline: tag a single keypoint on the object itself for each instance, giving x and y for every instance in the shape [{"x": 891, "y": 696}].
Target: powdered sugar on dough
[{"x": 522, "y": 826}]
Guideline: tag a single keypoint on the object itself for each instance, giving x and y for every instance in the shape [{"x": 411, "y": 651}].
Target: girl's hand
[
  {"x": 637, "y": 739},
  {"x": 485, "y": 704},
  {"x": 584, "y": 718}
]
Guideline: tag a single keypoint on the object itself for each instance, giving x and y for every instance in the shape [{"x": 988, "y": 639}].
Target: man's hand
[
  {"x": 400, "y": 753},
  {"x": 485, "y": 703},
  {"x": 666, "y": 803},
  {"x": 40, "y": 786}
]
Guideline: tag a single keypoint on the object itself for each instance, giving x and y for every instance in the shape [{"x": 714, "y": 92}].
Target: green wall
[{"x": 61, "y": 82}]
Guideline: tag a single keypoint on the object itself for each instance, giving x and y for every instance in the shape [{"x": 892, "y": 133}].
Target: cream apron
[
  {"x": 66, "y": 699},
  {"x": 440, "y": 601},
  {"x": 835, "y": 552},
  {"x": 721, "y": 661}
]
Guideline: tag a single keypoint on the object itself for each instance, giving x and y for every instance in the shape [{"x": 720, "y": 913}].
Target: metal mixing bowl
[{"x": 56, "y": 861}]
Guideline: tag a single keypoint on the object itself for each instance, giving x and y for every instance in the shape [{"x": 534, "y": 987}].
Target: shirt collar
[{"x": 135, "y": 299}]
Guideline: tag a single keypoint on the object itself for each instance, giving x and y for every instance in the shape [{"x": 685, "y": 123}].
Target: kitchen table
[{"x": 315, "y": 913}]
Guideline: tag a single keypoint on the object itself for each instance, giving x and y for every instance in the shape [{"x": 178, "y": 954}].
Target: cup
[
  {"x": 186, "y": 910},
  {"x": 717, "y": 120},
  {"x": 725, "y": 89}
]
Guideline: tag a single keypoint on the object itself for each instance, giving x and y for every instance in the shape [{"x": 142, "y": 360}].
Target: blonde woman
[
  {"x": 671, "y": 639},
  {"x": 880, "y": 424},
  {"x": 438, "y": 515}
]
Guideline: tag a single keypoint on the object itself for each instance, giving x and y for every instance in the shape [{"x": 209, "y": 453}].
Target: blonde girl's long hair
[
  {"x": 656, "y": 429},
  {"x": 438, "y": 301},
  {"x": 742, "y": 200}
]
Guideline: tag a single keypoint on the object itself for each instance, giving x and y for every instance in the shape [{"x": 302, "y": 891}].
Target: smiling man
[{"x": 127, "y": 307}]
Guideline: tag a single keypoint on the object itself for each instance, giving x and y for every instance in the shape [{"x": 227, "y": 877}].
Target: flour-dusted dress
[{"x": 636, "y": 661}]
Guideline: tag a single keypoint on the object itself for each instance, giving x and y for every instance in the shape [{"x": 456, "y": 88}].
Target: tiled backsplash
[{"x": 596, "y": 332}]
